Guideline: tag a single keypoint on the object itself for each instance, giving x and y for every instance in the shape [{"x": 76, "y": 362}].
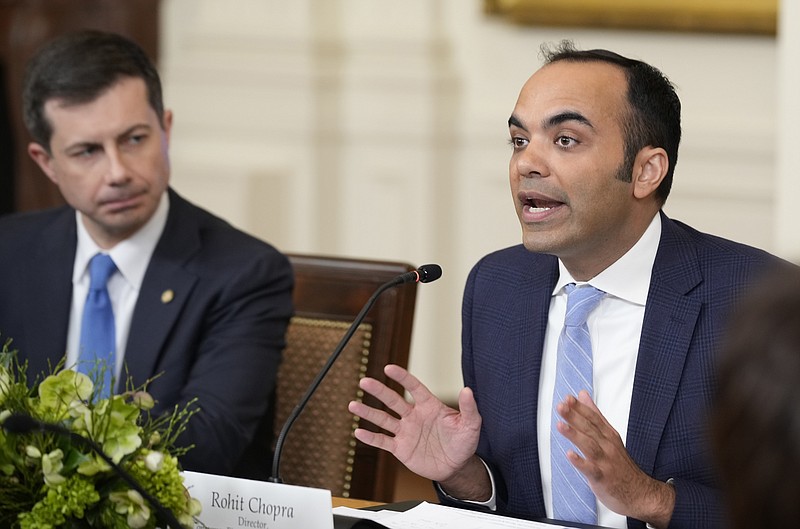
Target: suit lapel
[
  {"x": 535, "y": 295},
  {"x": 669, "y": 323},
  {"x": 165, "y": 291},
  {"x": 48, "y": 280}
]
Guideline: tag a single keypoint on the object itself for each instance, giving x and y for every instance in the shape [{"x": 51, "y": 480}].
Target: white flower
[
  {"x": 153, "y": 461},
  {"x": 132, "y": 504},
  {"x": 51, "y": 467}
]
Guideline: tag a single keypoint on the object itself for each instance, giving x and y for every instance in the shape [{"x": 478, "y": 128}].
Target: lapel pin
[{"x": 167, "y": 296}]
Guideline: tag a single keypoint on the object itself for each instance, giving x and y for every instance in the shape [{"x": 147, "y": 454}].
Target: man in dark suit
[
  {"x": 198, "y": 306},
  {"x": 595, "y": 140}
]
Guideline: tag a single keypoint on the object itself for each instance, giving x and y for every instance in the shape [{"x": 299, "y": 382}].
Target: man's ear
[
  {"x": 649, "y": 169},
  {"x": 43, "y": 159},
  {"x": 167, "y": 123}
]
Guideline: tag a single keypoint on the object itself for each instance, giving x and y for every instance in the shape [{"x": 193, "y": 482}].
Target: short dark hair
[
  {"x": 755, "y": 426},
  {"x": 77, "y": 68},
  {"x": 655, "y": 109}
]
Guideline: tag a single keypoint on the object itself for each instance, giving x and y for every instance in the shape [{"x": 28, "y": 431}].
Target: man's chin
[
  {"x": 122, "y": 225},
  {"x": 539, "y": 243}
]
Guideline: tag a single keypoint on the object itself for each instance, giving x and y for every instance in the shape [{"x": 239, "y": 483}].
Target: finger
[
  {"x": 589, "y": 410},
  {"x": 592, "y": 412},
  {"x": 591, "y": 433},
  {"x": 584, "y": 418},
  {"x": 596, "y": 467},
  {"x": 579, "y": 456},
  {"x": 574, "y": 436},
  {"x": 389, "y": 397},
  {"x": 469, "y": 408},
  {"x": 377, "y": 417},
  {"x": 378, "y": 440},
  {"x": 586, "y": 399},
  {"x": 584, "y": 465},
  {"x": 576, "y": 428},
  {"x": 566, "y": 409},
  {"x": 418, "y": 391}
]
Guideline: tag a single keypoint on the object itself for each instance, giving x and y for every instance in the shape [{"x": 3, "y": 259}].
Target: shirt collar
[
  {"x": 132, "y": 255},
  {"x": 629, "y": 277}
]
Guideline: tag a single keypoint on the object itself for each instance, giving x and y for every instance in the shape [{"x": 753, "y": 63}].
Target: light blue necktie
[
  {"x": 98, "y": 336},
  {"x": 573, "y": 499}
]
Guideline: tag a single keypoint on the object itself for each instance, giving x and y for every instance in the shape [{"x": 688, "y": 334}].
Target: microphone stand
[{"x": 424, "y": 274}]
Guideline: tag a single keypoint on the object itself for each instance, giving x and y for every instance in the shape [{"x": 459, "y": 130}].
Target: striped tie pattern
[
  {"x": 98, "y": 333},
  {"x": 573, "y": 499}
]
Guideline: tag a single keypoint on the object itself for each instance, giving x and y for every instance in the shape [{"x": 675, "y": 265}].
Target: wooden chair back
[{"x": 320, "y": 449}]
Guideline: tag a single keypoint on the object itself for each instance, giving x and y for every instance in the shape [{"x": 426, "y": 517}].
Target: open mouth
[{"x": 538, "y": 205}]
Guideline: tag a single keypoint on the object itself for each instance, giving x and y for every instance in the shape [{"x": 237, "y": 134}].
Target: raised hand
[
  {"x": 613, "y": 476},
  {"x": 430, "y": 438}
]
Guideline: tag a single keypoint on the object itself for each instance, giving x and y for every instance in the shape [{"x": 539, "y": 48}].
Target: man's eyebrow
[
  {"x": 561, "y": 117},
  {"x": 134, "y": 128},
  {"x": 82, "y": 144},
  {"x": 79, "y": 146},
  {"x": 555, "y": 120},
  {"x": 514, "y": 122}
]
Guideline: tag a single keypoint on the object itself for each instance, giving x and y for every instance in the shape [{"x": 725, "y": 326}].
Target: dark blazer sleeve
[
  {"x": 235, "y": 371},
  {"x": 504, "y": 315},
  {"x": 216, "y": 337}
]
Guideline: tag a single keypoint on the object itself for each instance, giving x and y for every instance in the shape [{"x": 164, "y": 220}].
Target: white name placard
[{"x": 233, "y": 503}]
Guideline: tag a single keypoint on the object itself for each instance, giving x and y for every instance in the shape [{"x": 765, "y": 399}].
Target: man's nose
[
  {"x": 118, "y": 170},
  {"x": 531, "y": 162}
]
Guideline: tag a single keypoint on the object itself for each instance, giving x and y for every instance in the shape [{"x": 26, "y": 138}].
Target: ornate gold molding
[{"x": 714, "y": 16}]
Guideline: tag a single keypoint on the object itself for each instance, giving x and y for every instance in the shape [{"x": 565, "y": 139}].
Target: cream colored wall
[
  {"x": 377, "y": 128},
  {"x": 787, "y": 188}
]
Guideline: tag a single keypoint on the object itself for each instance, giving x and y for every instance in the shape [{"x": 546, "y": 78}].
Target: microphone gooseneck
[
  {"x": 22, "y": 424},
  {"x": 424, "y": 274}
]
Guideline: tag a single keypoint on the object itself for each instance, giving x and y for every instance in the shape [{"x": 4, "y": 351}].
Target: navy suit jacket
[
  {"x": 696, "y": 280},
  {"x": 219, "y": 339}
]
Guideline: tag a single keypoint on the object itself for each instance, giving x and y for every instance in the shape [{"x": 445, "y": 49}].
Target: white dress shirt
[
  {"x": 615, "y": 328},
  {"x": 132, "y": 257}
]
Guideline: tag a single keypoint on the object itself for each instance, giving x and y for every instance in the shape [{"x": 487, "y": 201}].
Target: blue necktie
[
  {"x": 98, "y": 336},
  {"x": 573, "y": 499}
]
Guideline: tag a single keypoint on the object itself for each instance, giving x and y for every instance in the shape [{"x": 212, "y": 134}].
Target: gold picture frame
[{"x": 713, "y": 16}]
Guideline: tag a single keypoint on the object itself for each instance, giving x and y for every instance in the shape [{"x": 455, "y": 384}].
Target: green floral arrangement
[{"x": 47, "y": 480}]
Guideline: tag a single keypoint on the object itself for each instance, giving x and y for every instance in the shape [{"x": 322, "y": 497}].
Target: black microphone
[
  {"x": 423, "y": 274},
  {"x": 22, "y": 424}
]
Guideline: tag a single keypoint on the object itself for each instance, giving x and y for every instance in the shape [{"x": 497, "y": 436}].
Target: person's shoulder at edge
[
  {"x": 215, "y": 228},
  {"x": 34, "y": 219},
  {"x": 710, "y": 247},
  {"x": 22, "y": 229},
  {"x": 226, "y": 246}
]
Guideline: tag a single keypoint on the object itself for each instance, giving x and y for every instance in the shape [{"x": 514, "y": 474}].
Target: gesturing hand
[
  {"x": 614, "y": 477},
  {"x": 430, "y": 438}
]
